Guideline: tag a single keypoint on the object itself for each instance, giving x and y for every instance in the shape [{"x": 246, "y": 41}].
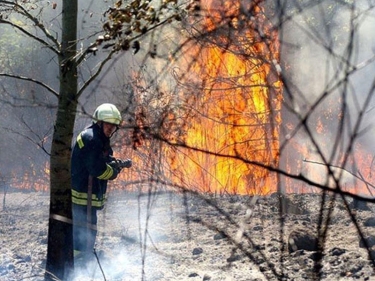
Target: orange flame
[
  {"x": 36, "y": 178},
  {"x": 238, "y": 114}
]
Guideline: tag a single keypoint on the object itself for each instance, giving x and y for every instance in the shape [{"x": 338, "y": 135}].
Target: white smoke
[
  {"x": 327, "y": 49},
  {"x": 132, "y": 230}
]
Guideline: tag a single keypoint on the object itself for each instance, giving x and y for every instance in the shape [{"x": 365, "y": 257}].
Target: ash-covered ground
[{"x": 170, "y": 236}]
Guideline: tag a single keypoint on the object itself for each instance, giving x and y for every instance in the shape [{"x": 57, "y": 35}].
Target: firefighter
[{"x": 92, "y": 165}]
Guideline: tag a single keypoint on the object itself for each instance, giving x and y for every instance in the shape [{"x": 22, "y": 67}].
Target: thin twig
[{"x": 100, "y": 265}]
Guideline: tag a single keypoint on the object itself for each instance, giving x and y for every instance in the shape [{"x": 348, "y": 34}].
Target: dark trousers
[{"x": 84, "y": 231}]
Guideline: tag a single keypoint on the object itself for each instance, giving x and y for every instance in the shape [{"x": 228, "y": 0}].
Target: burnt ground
[{"x": 169, "y": 236}]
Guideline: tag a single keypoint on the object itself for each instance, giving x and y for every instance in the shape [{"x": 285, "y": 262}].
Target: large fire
[{"x": 238, "y": 112}]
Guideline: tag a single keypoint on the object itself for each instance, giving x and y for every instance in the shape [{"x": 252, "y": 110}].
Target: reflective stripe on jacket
[{"x": 80, "y": 198}]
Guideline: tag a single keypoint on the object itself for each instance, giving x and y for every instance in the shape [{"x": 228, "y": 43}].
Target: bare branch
[
  {"x": 98, "y": 71},
  {"x": 21, "y": 10},
  {"x": 39, "y": 143},
  {"x": 48, "y": 88}
]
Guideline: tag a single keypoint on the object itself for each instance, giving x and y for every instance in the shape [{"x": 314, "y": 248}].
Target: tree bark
[{"x": 59, "y": 262}]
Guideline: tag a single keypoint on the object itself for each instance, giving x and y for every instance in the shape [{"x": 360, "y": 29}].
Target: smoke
[
  {"x": 132, "y": 229},
  {"x": 327, "y": 50}
]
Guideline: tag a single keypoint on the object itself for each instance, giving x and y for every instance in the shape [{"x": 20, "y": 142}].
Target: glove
[
  {"x": 115, "y": 168},
  {"x": 126, "y": 163}
]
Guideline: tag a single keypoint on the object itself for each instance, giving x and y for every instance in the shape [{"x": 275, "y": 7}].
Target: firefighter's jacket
[{"x": 91, "y": 153}]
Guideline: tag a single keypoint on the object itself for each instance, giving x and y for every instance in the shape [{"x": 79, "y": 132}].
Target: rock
[
  {"x": 302, "y": 240},
  {"x": 370, "y": 240},
  {"x": 233, "y": 258},
  {"x": 359, "y": 205},
  {"x": 258, "y": 228},
  {"x": 356, "y": 268},
  {"x": 197, "y": 251},
  {"x": 370, "y": 222},
  {"x": 220, "y": 235},
  {"x": 337, "y": 251}
]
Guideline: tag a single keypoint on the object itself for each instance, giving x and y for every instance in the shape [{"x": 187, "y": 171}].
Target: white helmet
[{"x": 108, "y": 113}]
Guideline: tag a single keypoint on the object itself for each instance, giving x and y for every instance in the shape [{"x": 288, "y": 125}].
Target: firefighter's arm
[{"x": 97, "y": 165}]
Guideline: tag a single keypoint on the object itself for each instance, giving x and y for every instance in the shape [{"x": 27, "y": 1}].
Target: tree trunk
[{"x": 60, "y": 241}]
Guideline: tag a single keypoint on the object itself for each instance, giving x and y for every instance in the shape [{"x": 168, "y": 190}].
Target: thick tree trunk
[{"x": 60, "y": 246}]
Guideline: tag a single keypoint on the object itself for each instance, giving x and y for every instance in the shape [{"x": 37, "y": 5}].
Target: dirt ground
[{"x": 169, "y": 236}]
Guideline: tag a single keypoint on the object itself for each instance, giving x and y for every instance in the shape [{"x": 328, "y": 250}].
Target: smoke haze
[{"x": 322, "y": 43}]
